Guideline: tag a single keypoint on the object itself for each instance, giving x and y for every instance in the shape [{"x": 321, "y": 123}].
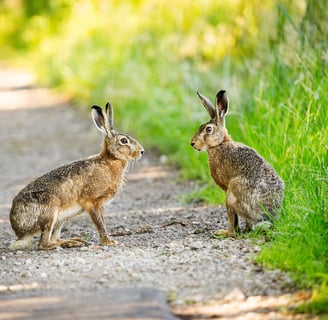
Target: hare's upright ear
[
  {"x": 100, "y": 120},
  {"x": 208, "y": 106},
  {"x": 110, "y": 116},
  {"x": 222, "y": 105}
]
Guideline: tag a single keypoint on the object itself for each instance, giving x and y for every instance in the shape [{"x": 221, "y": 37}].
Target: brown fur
[
  {"x": 83, "y": 185},
  {"x": 254, "y": 190}
]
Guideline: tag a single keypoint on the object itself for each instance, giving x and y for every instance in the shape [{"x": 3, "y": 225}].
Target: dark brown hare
[{"x": 253, "y": 189}]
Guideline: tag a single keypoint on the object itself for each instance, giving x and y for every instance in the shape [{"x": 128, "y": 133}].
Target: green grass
[
  {"x": 291, "y": 108},
  {"x": 299, "y": 242},
  {"x": 149, "y": 61}
]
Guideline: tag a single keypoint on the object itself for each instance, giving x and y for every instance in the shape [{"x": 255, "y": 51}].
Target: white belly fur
[{"x": 70, "y": 213}]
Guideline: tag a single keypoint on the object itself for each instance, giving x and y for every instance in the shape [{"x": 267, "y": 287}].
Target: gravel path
[{"x": 163, "y": 244}]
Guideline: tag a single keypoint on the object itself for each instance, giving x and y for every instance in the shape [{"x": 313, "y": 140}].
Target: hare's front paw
[
  {"x": 223, "y": 234},
  {"x": 108, "y": 242}
]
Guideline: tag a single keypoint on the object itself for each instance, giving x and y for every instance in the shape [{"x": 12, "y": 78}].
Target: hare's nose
[
  {"x": 142, "y": 152},
  {"x": 192, "y": 144}
]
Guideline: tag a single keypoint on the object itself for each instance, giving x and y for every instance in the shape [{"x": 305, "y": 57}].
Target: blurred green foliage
[{"x": 149, "y": 57}]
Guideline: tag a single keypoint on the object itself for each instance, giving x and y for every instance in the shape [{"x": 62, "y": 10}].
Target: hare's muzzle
[
  {"x": 139, "y": 154},
  {"x": 193, "y": 143},
  {"x": 197, "y": 145},
  {"x": 137, "y": 150}
]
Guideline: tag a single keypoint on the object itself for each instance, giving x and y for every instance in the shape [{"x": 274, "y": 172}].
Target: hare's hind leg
[
  {"x": 50, "y": 237},
  {"x": 248, "y": 226},
  {"x": 47, "y": 227},
  {"x": 72, "y": 243},
  {"x": 56, "y": 231},
  {"x": 69, "y": 243},
  {"x": 243, "y": 202}
]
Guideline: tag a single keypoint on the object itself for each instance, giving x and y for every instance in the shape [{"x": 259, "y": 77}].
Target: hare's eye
[
  {"x": 209, "y": 129},
  {"x": 124, "y": 141}
]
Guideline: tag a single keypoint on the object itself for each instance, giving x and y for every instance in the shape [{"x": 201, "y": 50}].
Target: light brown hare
[
  {"x": 83, "y": 185},
  {"x": 253, "y": 189}
]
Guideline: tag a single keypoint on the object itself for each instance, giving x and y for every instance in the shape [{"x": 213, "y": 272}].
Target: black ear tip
[
  {"x": 200, "y": 96},
  {"x": 221, "y": 94},
  {"x": 96, "y": 107},
  {"x": 108, "y": 105}
]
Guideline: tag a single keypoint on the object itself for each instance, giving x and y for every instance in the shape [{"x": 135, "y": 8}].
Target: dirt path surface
[{"x": 163, "y": 244}]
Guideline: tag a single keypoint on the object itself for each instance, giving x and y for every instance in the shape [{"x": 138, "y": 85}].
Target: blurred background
[{"x": 149, "y": 57}]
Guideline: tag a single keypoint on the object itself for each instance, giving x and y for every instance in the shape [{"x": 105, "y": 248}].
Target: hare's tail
[{"x": 24, "y": 243}]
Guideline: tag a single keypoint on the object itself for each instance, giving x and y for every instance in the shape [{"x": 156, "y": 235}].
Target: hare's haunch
[
  {"x": 254, "y": 190},
  {"x": 84, "y": 185}
]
